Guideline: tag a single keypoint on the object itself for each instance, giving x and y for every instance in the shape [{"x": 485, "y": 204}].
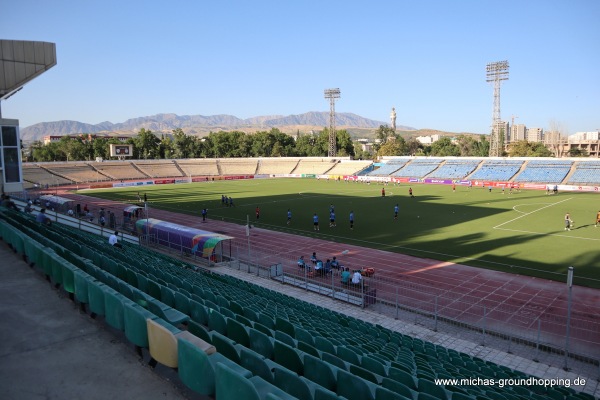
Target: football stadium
[{"x": 208, "y": 279}]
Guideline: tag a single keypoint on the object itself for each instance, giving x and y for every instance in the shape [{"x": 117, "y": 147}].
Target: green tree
[
  {"x": 392, "y": 148},
  {"x": 147, "y": 145},
  {"x": 444, "y": 147},
  {"x": 523, "y": 148},
  {"x": 182, "y": 144}
]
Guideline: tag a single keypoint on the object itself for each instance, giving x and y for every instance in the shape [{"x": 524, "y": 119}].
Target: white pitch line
[{"x": 529, "y": 213}]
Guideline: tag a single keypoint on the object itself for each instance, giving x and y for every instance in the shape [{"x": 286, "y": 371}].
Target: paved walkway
[{"x": 51, "y": 350}]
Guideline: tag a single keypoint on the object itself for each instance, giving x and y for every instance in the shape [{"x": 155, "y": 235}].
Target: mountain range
[{"x": 202, "y": 125}]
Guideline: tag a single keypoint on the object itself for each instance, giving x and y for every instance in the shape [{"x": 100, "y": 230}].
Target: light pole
[{"x": 570, "y": 286}]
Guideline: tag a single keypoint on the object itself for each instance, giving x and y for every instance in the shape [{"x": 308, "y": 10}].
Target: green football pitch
[{"x": 522, "y": 232}]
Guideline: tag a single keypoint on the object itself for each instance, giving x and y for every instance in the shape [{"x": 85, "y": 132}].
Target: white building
[{"x": 535, "y": 134}]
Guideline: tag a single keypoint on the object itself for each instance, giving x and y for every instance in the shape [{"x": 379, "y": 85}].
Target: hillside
[{"x": 202, "y": 125}]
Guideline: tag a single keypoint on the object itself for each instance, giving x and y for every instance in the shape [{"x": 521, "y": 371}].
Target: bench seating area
[
  {"x": 119, "y": 170},
  {"x": 35, "y": 174},
  {"x": 349, "y": 167},
  {"x": 159, "y": 169},
  {"x": 418, "y": 168},
  {"x": 455, "y": 169},
  {"x": 199, "y": 167},
  {"x": 268, "y": 345},
  {"x": 275, "y": 166},
  {"x": 389, "y": 168},
  {"x": 232, "y": 166},
  {"x": 314, "y": 167},
  {"x": 586, "y": 173},
  {"x": 497, "y": 170},
  {"x": 76, "y": 172},
  {"x": 545, "y": 171}
]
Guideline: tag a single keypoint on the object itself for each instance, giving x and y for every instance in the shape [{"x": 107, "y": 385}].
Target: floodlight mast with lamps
[
  {"x": 496, "y": 72},
  {"x": 332, "y": 94}
]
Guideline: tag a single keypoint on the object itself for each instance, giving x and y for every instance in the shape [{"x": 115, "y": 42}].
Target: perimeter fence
[{"x": 515, "y": 325}]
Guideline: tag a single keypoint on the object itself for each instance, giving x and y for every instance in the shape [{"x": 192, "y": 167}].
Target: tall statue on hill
[{"x": 393, "y": 119}]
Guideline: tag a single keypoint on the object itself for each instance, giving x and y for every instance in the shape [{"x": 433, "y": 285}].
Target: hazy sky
[{"x": 124, "y": 59}]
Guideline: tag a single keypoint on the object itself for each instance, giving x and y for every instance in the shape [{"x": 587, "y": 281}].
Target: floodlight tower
[
  {"x": 332, "y": 94},
  {"x": 496, "y": 73}
]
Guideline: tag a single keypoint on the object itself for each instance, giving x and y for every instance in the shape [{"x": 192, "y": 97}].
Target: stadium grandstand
[
  {"x": 586, "y": 173},
  {"x": 455, "y": 169},
  {"x": 119, "y": 170},
  {"x": 238, "y": 166},
  {"x": 234, "y": 339},
  {"x": 77, "y": 172},
  {"x": 389, "y": 167},
  {"x": 36, "y": 174},
  {"x": 418, "y": 168},
  {"x": 199, "y": 166},
  {"x": 313, "y": 166},
  {"x": 344, "y": 167},
  {"x": 545, "y": 171},
  {"x": 158, "y": 168},
  {"x": 497, "y": 170},
  {"x": 277, "y": 166}
]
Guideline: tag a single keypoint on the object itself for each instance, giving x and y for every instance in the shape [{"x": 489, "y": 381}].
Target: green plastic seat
[
  {"x": 217, "y": 322},
  {"x": 114, "y": 309},
  {"x": 261, "y": 343},
  {"x": 198, "y": 312},
  {"x": 353, "y": 387},
  {"x": 348, "y": 355},
  {"x": 196, "y": 369},
  {"x": 292, "y": 384},
  {"x": 385, "y": 394},
  {"x": 226, "y": 346},
  {"x": 135, "y": 328},
  {"x": 199, "y": 330},
  {"x": 288, "y": 357},
  {"x": 325, "y": 345},
  {"x": 96, "y": 291},
  {"x": 257, "y": 364},
  {"x": 238, "y": 332},
  {"x": 285, "y": 338},
  {"x": 398, "y": 388},
  {"x": 320, "y": 372},
  {"x": 167, "y": 313}
]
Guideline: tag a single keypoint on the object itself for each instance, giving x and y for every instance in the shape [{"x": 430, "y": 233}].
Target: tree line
[{"x": 272, "y": 143}]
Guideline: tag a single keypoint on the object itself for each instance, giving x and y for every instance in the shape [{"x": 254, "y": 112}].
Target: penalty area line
[{"x": 529, "y": 213}]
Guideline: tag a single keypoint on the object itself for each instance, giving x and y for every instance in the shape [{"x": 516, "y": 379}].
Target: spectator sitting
[
  {"x": 327, "y": 267},
  {"x": 113, "y": 240},
  {"x": 313, "y": 258},
  {"x": 42, "y": 218},
  {"x": 8, "y": 203},
  {"x": 356, "y": 278},
  {"x": 319, "y": 266},
  {"x": 345, "y": 276},
  {"x": 70, "y": 213},
  {"x": 301, "y": 263},
  {"x": 335, "y": 263}
]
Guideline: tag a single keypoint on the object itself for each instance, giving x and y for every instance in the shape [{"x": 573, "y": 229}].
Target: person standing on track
[
  {"x": 332, "y": 219},
  {"x": 289, "y": 216},
  {"x": 351, "y": 221},
  {"x": 315, "y": 222},
  {"x": 257, "y": 213}
]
